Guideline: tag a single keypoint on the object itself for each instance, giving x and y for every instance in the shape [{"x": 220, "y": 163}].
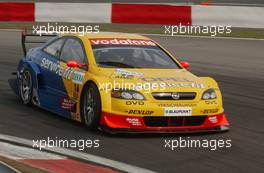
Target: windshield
[{"x": 132, "y": 56}]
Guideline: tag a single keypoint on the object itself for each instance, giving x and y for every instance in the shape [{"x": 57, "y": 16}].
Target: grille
[
  {"x": 169, "y": 95},
  {"x": 174, "y": 121}
]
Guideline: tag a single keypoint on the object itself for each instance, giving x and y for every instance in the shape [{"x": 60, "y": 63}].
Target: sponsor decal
[
  {"x": 115, "y": 41},
  {"x": 51, "y": 66},
  {"x": 210, "y": 102},
  {"x": 67, "y": 73},
  {"x": 177, "y": 104},
  {"x": 164, "y": 85},
  {"x": 185, "y": 85},
  {"x": 134, "y": 121},
  {"x": 213, "y": 119},
  {"x": 178, "y": 111},
  {"x": 120, "y": 73},
  {"x": 209, "y": 111},
  {"x": 124, "y": 77},
  {"x": 164, "y": 79},
  {"x": 174, "y": 82},
  {"x": 78, "y": 77},
  {"x": 133, "y": 102},
  {"x": 68, "y": 104},
  {"x": 140, "y": 112}
]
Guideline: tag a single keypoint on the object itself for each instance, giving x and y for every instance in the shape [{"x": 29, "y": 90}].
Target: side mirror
[
  {"x": 72, "y": 64},
  {"x": 185, "y": 64}
]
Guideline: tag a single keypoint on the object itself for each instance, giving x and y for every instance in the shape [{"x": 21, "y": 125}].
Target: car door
[
  {"x": 73, "y": 50},
  {"x": 53, "y": 87}
]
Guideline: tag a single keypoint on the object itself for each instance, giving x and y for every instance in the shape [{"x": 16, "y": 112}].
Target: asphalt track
[{"x": 238, "y": 66}]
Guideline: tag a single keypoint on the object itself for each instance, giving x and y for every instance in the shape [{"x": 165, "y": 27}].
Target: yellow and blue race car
[{"x": 119, "y": 83}]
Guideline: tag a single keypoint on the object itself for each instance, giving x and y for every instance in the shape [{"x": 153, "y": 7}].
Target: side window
[
  {"x": 73, "y": 50},
  {"x": 54, "y": 48}
]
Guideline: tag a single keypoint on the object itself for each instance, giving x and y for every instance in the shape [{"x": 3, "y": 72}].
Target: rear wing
[{"x": 31, "y": 38}]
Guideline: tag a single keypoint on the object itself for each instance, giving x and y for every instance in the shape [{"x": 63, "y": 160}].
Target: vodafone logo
[{"x": 122, "y": 42}]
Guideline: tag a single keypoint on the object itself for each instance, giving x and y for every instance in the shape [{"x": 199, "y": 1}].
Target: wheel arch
[
  {"x": 34, "y": 69},
  {"x": 85, "y": 86}
]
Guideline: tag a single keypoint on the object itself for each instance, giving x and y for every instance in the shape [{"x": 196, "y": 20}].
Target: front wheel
[
  {"x": 25, "y": 86},
  {"x": 91, "y": 106}
]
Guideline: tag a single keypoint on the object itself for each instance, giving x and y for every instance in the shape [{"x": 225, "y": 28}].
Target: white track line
[
  {"x": 11, "y": 30},
  {"x": 10, "y": 167},
  {"x": 83, "y": 156},
  {"x": 20, "y": 152}
]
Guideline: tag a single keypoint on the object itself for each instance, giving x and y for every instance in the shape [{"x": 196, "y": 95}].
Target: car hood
[{"x": 168, "y": 80}]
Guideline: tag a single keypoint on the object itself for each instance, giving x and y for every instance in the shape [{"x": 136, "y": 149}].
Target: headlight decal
[
  {"x": 127, "y": 94},
  {"x": 209, "y": 94}
]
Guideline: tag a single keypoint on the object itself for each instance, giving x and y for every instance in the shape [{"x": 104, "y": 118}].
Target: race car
[{"x": 119, "y": 82}]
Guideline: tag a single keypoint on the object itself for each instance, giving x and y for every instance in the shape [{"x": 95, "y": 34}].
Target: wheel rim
[
  {"x": 89, "y": 107},
  {"x": 25, "y": 86}
]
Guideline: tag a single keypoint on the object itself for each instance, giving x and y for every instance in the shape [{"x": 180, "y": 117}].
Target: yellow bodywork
[{"x": 149, "y": 106}]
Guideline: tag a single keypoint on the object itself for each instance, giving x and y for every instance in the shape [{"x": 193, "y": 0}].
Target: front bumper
[{"x": 161, "y": 124}]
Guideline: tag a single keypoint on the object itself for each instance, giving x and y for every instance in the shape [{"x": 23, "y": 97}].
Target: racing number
[{"x": 76, "y": 90}]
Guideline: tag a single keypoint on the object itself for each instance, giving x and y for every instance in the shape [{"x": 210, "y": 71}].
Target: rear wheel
[
  {"x": 25, "y": 86},
  {"x": 91, "y": 106}
]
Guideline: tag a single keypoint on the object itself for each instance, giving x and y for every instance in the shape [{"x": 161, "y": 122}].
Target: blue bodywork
[{"x": 47, "y": 84}]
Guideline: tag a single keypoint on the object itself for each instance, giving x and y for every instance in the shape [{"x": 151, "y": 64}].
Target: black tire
[
  {"x": 91, "y": 106},
  {"x": 25, "y": 86}
]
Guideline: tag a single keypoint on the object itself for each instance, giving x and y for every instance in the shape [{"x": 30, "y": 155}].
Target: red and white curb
[
  {"x": 59, "y": 159},
  {"x": 48, "y": 161},
  {"x": 119, "y": 13}
]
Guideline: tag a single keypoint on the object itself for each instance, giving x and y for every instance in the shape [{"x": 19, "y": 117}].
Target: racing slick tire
[
  {"x": 25, "y": 86},
  {"x": 91, "y": 106}
]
